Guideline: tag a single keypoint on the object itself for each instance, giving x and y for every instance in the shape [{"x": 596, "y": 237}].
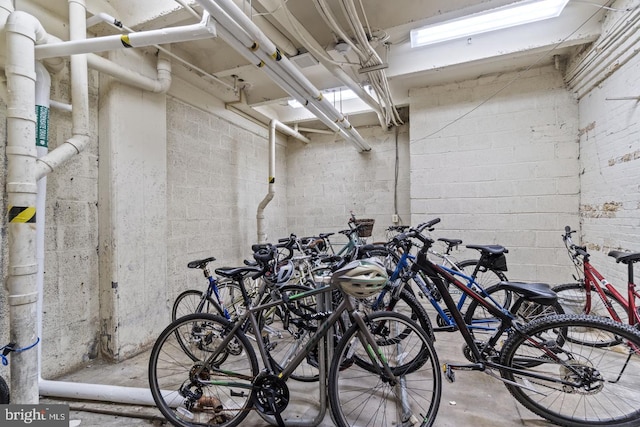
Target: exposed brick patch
[
  {"x": 590, "y": 126},
  {"x": 606, "y": 210},
  {"x": 628, "y": 157}
]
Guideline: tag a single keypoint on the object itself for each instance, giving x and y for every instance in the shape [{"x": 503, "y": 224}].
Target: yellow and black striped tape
[
  {"x": 125, "y": 40},
  {"x": 25, "y": 214}
]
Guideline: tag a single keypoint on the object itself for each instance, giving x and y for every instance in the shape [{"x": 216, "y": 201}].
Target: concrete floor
[{"x": 475, "y": 399}]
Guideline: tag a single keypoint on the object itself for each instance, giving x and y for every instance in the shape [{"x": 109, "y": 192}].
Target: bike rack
[{"x": 325, "y": 352}]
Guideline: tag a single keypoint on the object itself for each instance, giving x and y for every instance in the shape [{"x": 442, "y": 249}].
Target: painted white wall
[
  {"x": 328, "y": 178},
  {"x": 133, "y": 212},
  {"x": 217, "y": 175},
  {"x": 497, "y": 159},
  {"x": 609, "y": 148}
]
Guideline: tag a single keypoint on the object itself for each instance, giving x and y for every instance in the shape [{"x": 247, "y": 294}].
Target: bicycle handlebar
[
  {"x": 578, "y": 250},
  {"x": 417, "y": 234}
]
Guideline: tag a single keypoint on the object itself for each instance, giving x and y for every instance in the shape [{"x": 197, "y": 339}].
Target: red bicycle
[{"x": 592, "y": 293}]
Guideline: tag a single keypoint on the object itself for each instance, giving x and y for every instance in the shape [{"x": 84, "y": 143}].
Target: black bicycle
[{"x": 573, "y": 370}]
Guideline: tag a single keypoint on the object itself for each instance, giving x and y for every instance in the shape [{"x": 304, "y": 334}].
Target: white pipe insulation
[
  {"x": 203, "y": 30},
  {"x": 245, "y": 32},
  {"x": 262, "y": 235}
]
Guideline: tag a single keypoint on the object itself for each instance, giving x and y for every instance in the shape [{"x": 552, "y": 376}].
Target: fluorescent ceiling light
[
  {"x": 334, "y": 95},
  {"x": 522, "y": 12}
]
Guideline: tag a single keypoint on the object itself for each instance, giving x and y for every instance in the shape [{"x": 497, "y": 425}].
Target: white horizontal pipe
[
  {"x": 60, "y": 105},
  {"x": 141, "y": 39},
  {"x": 103, "y": 392},
  {"x": 291, "y": 132},
  {"x": 133, "y": 78}
]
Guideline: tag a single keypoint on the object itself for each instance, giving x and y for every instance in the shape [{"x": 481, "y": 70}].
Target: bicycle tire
[
  {"x": 187, "y": 303},
  {"x": 600, "y": 383},
  {"x": 485, "y": 278},
  {"x": 5, "y": 395},
  {"x": 175, "y": 375},
  {"x": 358, "y": 396},
  {"x": 573, "y": 298},
  {"x": 478, "y": 318}
]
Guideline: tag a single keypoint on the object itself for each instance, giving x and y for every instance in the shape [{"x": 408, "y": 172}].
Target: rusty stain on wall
[
  {"x": 625, "y": 158},
  {"x": 606, "y": 210},
  {"x": 587, "y": 128}
]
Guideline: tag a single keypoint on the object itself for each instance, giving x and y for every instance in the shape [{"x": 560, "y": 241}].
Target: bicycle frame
[
  {"x": 470, "y": 283},
  {"x": 365, "y": 337},
  {"x": 593, "y": 280},
  {"x": 436, "y": 273}
]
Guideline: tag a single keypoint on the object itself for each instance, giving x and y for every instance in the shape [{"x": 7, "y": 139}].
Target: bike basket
[
  {"x": 366, "y": 229},
  {"x": 496, "y": 262}
]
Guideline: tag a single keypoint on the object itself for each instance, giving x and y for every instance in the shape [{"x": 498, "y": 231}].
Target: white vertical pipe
[
  {"x": 262, "y": 235},
  {"x": 273, "y": 124},
  {"x": 23, "y": 31},
  {"x": 43, "y": 89}
]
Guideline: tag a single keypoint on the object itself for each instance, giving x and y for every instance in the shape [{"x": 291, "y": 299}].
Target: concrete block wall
[
  {"x": 329, "y": 178},
  {"x": 217, "y": 175},
  {"x": 610, "y": 166},
  {"x": 70, "y": 334},
  {"x": 497, "y": 159}
]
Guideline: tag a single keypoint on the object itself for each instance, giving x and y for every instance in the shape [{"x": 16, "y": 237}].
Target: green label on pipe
[{"x": 42, "y": 126}]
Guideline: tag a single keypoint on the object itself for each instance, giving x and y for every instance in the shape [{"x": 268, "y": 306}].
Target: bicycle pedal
[{"x": 447, "y": 367}]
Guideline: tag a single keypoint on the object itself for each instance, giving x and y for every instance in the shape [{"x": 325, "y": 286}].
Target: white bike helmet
[{"x": 361, "y": 278}]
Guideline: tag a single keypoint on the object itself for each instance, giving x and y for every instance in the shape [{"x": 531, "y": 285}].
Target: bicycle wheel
[
  {"x": 4, "y": 392},
  {"x": 188, "y": 302},
  {"x": 360, "y": 397},
  {"x": 573, "y": 297},
  {"x": 189, "y": 389},
  {"x": 485, "y": 278},
  {"x": 405, "y": 302},
  {"x": 573, "y": 383}
]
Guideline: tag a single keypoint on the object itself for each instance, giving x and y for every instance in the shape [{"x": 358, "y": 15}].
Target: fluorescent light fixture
[
  {"x": 522, "y": 12},
  {"x": 334, "y": 95}
]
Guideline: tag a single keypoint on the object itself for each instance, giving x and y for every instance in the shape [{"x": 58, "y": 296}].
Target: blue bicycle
[{"x": 476, "y": 316}]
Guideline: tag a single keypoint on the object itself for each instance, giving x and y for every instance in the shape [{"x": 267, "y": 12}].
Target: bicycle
[
  {"x": 573, "y": 370},
  {"x": 475, "y": 316},
  {"x": 484, "y": 272},
  {"x": 218, "y": 381},
  {"x": 592, "y": 293}
]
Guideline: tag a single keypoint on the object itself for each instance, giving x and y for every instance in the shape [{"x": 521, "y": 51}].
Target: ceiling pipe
[
  {"x": 262, "y": 235},
  {"x": 278, "y": 11},
  {"x": 283, "y": 83},
  {"x": 203, "y": 30},
  {"x": 104, "y": 17},
  {"x": 228, "y": 15},
  {"x": 255, "y": 40}
]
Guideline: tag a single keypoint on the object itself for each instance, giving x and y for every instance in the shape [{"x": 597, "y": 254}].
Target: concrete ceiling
[{"x": 387, "y": 24}]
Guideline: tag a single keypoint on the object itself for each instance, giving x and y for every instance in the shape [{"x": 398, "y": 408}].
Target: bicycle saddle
[
  {"x": 625, "y": 257},
  {"x": 452, "y": 242},
  {"x": 490, "y": 249},
  {"x": 232, "y": 272},
  {"x": 200, "y": 263},
  {"x": 540, "y": 293}
]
